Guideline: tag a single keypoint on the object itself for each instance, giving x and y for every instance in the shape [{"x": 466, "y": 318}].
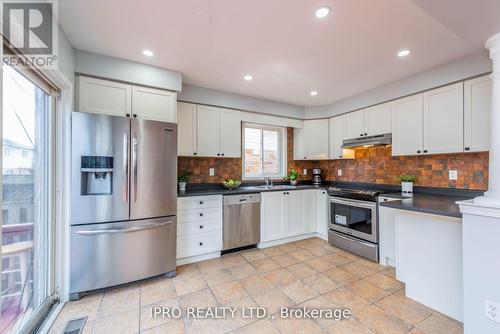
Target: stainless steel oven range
[{"x": 353, "y": 222}]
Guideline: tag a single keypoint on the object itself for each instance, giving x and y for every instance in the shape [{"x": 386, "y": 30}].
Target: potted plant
[
  {"x": 407, "y": 183},
  {"x": 293, "y": 176},
  {"x": 183, "y": 179}
]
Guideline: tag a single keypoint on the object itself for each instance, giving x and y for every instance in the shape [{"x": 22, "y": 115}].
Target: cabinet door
[
  {"x": 378, "y": 119},
  {"x": 104, "y": 97},
  {"x": 310, "y": 210},
  {"x": 207, "y": 133},
  {"x": 444, "y": 119},
  {"x": 272, "y": 216},
  {"x": 316, "y": 139},
  {"x": 298, "y": 144},
  {"x": 294, "y": 221},
  {"x": 407, "y": 119},
  {"x": 387, "y": 236},
  {"x": 322, "y": 212},
  {"x": 337, "y": 136},
  {"x": 477, "y": 109},
  {"x": 230, "y": 133},
  {"x": 154, "y": 104},
  {"x": 355, "y": 124},
  {"x": 186, "y": 129}
]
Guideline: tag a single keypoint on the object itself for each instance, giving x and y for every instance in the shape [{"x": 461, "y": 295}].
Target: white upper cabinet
[
  {"x": 407, "y": 119},
  {"x": 311, "y": 142},
  {"x": 444, "y": 119},
  {"x": 154, "y": 104},
  {"x": 355, "y": 124},
  {"x": 207, "y": 125},
  {"x": 112, "y": 98},
  {"x": 477, "y": 111},
  {"x": 104, "y": 97},
  {"x": 378, "y": 119},
  {"x": 337, "y": 136},
  {"x": 230, "y": 133},
  {"x": 186, "y": 129}
]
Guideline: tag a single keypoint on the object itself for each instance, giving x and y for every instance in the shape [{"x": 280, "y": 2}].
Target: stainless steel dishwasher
[{"x": 241, "y": 221}]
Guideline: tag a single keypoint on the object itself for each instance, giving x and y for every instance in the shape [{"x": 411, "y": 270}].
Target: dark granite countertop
[
  {"x": 219, "y": 190},
  {"x": 444, "y": 205}
]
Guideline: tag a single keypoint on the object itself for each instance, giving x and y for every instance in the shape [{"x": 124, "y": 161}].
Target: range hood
[{"x": 369, "y": 141}]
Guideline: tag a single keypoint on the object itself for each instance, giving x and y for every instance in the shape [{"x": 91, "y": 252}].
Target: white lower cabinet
[
  {"x": 286, "y": 214},
  {"x": 387, "y": 233},
  {"x": 199, "y": 226},
  {"x": 322, "y": 208}
]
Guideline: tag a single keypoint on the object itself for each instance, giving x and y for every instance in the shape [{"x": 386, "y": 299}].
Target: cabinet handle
[
  {"x": 222, "y": 154},
  {"x": 194, "y": 153},
  {"x": 425, "y": 151},
  {"x": 361, "y": 135},
  {"x": 418, "y": 152},
  {"x": 218, "y": 154},
  {"x": 340, "y": 156},
  {"x": 305, "y": 158},
  {"x": 201, "y": 243},
  {"x": 467, "y": 148},
  {"x": 201, "y": 227},
  {"x": 201, "y": 202},
  {"x": 127, "y": 115},
  {"x": 201, "y": 214},
  {"x": 366, "y": 134},
  {"x": 135, "y": 115}
]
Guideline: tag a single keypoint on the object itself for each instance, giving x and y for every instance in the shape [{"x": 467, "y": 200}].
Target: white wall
[
  {"x": 213, "y": 97},
  {"x": 460, "y": 69},
  {"x": 481, "y": 271},
  {"x": 123, "y": 70}
]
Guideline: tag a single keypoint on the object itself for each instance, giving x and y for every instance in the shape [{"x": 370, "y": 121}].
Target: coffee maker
[{"x": 316, "y": 176}]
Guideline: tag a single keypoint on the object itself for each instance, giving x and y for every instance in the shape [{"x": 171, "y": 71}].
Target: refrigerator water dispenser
[{"x": 96, "y": 175}]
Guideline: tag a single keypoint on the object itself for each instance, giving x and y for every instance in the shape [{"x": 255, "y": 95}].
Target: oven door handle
[{"x": 354, "y": 203}]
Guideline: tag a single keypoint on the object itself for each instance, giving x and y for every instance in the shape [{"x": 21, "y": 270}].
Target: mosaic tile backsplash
[{"x": 372, "y": 165}]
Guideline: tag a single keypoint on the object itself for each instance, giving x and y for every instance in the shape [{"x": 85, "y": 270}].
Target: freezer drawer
[{"x": 104, "y": 255}]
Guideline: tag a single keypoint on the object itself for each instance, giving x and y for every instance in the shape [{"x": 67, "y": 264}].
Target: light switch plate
[
  {"x": 453, "y": 174},
  {"x": 339, "y": 172},
  {"x": 304, "y": 171},
  {"x": 211, "y": 172}
]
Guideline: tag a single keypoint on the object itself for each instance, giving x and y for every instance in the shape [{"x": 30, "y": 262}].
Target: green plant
[
  {"x": 293, "y": 175},
  {"x": 184, "y": 176},
  {"x": 407, "y": 178}
]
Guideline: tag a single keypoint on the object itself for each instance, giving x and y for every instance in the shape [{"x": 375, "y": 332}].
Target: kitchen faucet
[{"x": 269, "y": 181}]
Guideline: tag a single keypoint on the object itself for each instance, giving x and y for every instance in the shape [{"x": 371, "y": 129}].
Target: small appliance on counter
[{"x": 317, "y": 176}]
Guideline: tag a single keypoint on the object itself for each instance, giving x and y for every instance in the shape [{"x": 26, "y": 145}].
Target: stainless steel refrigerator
[{"x": 123, "y": 202}]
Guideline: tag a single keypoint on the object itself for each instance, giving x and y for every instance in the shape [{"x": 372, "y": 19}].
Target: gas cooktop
[{"x": 361, "y": 194}]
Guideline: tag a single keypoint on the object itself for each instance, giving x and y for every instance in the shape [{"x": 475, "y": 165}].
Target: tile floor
[{"x": 308, "y": 273}]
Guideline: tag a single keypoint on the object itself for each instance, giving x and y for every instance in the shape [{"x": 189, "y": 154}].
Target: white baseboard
[
  {"x": 289, "y": 239},
  {"x": 197, "y": 258}
]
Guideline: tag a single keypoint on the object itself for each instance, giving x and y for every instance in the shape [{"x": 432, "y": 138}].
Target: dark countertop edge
[
  {"x": 241, "y": 190},
  {"x": 450, "y": 208}
]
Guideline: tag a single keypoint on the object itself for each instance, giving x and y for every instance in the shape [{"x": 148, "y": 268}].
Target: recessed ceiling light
[
  {"x": 322, "y": 12},
  {"x": 248, "y": 77},
  {"x": 313, "y": 93},
  {"x": 148, "y": 53},
  {"x": 404, "y": 53}
]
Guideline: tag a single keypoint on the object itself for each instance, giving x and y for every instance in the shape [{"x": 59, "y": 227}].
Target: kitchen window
[{"x": 264, "y": 151}]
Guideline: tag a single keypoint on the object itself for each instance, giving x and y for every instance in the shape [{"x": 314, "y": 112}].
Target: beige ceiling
[{"x": 289, "y": 52}]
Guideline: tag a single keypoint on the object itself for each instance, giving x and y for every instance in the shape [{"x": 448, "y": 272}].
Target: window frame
[{"x": 282, "y": 150}]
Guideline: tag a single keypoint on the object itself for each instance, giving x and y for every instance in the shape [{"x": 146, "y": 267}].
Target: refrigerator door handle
[
  {"x": 125, "y": 168},
  {"x": 127, "y": 230},
  {"x": 134, "y": 164}
]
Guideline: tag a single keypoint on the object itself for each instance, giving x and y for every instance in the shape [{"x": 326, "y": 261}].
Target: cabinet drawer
[
  {"x": 199, "y": 202},
  {"x": 198, "y": 227},
  {"x": 197, "y": 244},
  {"x": 185, "y": 216}
]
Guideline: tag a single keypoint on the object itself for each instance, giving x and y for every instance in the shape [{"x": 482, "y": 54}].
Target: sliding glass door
[{"x": 27, "y": 242}]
